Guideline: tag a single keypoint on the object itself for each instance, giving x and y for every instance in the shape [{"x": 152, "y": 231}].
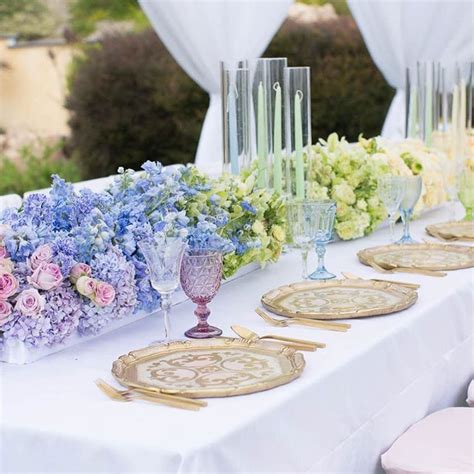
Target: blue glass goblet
[
  {"x": 324, "y": 215},
  {"x": 410, "y": 198}
]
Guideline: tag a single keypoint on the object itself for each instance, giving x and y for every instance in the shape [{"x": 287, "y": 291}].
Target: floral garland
[{"x": 69, "y": 261}]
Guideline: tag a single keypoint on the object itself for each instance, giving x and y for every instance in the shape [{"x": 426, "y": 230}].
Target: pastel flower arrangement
[
  {"x": 348, "y": 173},
  {"x": 70, "y": 262}
]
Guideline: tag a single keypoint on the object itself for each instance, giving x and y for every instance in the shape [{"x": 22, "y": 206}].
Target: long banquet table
[{"x": 352, "y": 401}]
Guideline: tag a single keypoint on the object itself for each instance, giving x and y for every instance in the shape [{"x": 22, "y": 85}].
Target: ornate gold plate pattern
[
  {"x": 454, "y": 230},
  {"x": 338, "y": 299},
  {"x": 422, "y": 256},
  {"x": 217, "y": 367}
]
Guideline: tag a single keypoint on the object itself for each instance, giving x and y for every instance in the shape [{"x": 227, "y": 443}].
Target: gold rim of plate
[
  {"x": 274, "y": 300},
  {"x": 284, "y": 365},
  {"x": 461, "y": 230},
  {"x": 373, "y": 254}
]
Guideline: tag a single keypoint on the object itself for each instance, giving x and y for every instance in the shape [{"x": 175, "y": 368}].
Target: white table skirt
[{"x": 352, "y": 401}]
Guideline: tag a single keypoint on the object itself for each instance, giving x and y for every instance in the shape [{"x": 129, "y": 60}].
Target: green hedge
[
  {"x": 131, "y": 102},
  {"x": 349, "y": 95}
]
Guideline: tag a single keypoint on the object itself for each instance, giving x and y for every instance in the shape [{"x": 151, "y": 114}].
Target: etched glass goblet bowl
[{"x": 201, "y": 275}]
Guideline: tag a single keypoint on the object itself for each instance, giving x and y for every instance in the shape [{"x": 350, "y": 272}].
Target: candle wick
[
  {"x": 299, "y": 95},
  {"x": 276, "y": 86}
]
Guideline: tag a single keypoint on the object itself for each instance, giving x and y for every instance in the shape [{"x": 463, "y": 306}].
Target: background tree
[{"x": 85, "y": 14}]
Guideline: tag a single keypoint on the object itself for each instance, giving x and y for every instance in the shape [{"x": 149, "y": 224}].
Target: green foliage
[
  {"x": 86, "y": 13},
  {"x": 131, "y": 102},
  {"x": 348, "y": 93},
  {"x": 29, "y": 19},
  {"x": 35, "y": 170},
  {"x": 341, "y": 6}
]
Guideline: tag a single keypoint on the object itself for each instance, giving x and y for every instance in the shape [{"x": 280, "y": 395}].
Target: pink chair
[
  {"x": 470, "y": 394},
  {"x": 443, "y": 442}
]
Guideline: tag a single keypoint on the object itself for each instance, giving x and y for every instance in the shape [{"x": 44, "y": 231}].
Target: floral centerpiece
[
  {"x": 348, "y": 172},
  {"x": 70, "y": 263}
]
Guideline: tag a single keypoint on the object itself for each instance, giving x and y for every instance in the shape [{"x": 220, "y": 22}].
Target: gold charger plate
[
  {"x": 338, "y": 299},
  {"x": 453, "y": 230},
  {"x": 422, "y": 256},
  {"x": 219, "y": 367}
]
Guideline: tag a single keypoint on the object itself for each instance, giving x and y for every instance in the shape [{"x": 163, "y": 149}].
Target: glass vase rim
[
  {"x": 279, "y": 58},
  {"x": 394, "y": 176},
  {"x": 202, "y": 253},
  {"x": 311, "y": 201},
  {"x": 153, "y": 239}
]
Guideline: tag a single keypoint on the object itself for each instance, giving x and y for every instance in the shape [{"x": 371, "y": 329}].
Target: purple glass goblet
[{"x": 201, "y": 274}]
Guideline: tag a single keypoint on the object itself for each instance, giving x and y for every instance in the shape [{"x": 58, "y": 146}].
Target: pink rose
[
  {"x": 46, "y": 277},
  {"x": 104, "y": 294},
  {"x": 3, "y": 252},
  {"x": 78, "y": 270},
  {"x": 30, "y": 303},
  {"x": 42, "y": 254},
  {"x": 86, "y": 286},
  {"x": 6, "y": 265},
  {"x": 8, "y": 285},
  {"x": 5, "y": 311}
]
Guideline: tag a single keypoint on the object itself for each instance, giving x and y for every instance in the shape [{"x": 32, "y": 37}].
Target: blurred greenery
[
  {"x": 130, "y": 102},
  {"x": 35, "y": 169},
  {"x": 86, "y": 13},
  {"x": 341, "y": 6},
  {"x": 28, "y": 19}
]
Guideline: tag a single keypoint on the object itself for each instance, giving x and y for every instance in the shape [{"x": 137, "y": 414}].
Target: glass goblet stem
[
  {"x": 320, "y": 251},
  {"x": 202, "y": 312},
  {"x": 406, "y": 225},
  {"x": 391, "y": 222},
  {"x": 304, "y": 257},
  {"x": 165, "y": 307}
]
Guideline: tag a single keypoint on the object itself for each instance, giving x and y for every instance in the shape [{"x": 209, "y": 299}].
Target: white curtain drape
[
  {"x": 398, "y": 33},
  {"x": 199, "y": 34}
]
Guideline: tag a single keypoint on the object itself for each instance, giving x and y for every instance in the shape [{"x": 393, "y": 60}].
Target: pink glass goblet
[{"x": 201, "y": 274}]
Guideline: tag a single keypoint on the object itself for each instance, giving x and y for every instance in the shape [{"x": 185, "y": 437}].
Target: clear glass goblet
[
  {"x": 201, "y": 275},
  {"x": 466, "y": 194},
  {"x": 410, "y": 197},
  {"x": 390, "y": 189},
  {"x": 163, "y": 256},
  {"x": 324, "y": 215},
  {"x": 301, "y": 229}
]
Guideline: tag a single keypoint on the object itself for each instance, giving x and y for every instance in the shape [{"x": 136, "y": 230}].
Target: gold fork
[
  {"x": 352, "y": 276},
  {"x": 331, "y": 326},
  {"x": 151, "y": 396},
  {"x": 389, "y": 268}
]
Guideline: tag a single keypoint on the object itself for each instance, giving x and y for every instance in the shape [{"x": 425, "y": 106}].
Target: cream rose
[
  {"x": 79, "y": 270},
  {"x": 86, "y": 286},
  {"x": 6, "y": 265}
]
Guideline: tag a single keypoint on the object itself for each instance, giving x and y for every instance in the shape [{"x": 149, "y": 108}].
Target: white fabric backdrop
[
  {"x": 199, "y": 34},
  {"x": 398, "y": 33}
]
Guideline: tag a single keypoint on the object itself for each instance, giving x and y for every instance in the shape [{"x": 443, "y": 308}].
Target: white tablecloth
[{"x": 352, "y": 401}]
